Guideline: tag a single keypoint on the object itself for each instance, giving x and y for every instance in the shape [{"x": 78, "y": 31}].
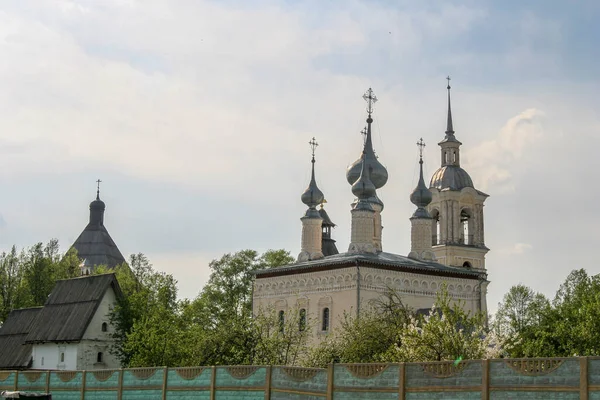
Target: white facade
[
  {"x": 353, "y": 288},
  {"x": 91, "y": 352}
]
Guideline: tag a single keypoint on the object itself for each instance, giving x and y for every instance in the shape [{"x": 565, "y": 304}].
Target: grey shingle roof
[
  {"x": 378, "y": 260},
  {"x": 70, "y": 308},
  {"x": 96, "y": 247},
  {"x": 14, "y": 352}
]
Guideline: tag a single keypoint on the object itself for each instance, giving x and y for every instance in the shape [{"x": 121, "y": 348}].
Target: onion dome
[
  {"x": 378, "y": 172},
  {"x": 97, "y": 208},
  {"x": 363, "y": 188},
  {"x": 421, "y": 196},
  {"x": 312, "y": 196}
]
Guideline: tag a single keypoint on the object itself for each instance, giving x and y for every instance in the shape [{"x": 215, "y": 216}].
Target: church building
[
  {"x": 94, "y": 245},
  {"x": 447, "y": 243}
]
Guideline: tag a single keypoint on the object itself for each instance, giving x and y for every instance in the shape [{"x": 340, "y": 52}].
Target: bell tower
[{"x": 456, "y": 208}]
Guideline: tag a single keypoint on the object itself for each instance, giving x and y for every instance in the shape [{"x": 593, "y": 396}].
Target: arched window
[
  {"x": 104, "y": 327},
  {"x": 302, "y": 320},
  {"x": 42, "y": 361},
  {"x": 62, "y": 357},
  {"x": 325, "y": 322},
  {"x": 467, "y": 264},
  {"x": 100, "y": 357},
  {"x": 281, "y": 321}
]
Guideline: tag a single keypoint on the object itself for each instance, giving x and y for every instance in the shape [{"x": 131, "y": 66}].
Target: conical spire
[
  {"x": 312, "y": 196},
  {"x": 449, "y": 127},
  {"x": 378, "y": 173},
  {"x": 421, "y": 196}
]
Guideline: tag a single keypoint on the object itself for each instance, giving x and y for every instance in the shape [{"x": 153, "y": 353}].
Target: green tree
[
  {"x": 519, "y": 315},
  {"x": 365, "y": 338},
  {"x": 448, "y": 332}
]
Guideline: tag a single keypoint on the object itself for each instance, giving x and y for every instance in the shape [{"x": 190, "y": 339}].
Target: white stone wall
[
  {"x": 337, "y": 290},
  {"x": 48, "y": 356},
  {"x": 312, "y": 234},
  {"x": 95, "y": 340},
  {"x": 362, "y": 235}
]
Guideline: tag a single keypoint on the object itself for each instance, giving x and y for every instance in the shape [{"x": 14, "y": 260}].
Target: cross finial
[
  {"x": 371, "y": 99},
  {"x": 421, "y": 146},
  {"x": 313, "y": 145},
  {"x": 98, "y": 189},
  {"x": 448, "y": 79}
]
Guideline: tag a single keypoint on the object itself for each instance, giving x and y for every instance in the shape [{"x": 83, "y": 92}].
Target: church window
[
  {"x": 62, "y": 357},
  {"x": 467, "y": 264},
  {"x": 281, "y": 321},
  {"x": 454, "y": 156},
  {"x": 302, "y": 320},
  {"x": 104, "y": 327},
  {"x": 435, "y": 228},
  {"x": 446, "y": 157},
  {"x": 325, "y": 322},
  {"x": 100, "y": 357},
  {"x": 42, "y": 361}
]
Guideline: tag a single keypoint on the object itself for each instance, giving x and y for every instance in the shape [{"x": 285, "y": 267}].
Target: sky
[{"x": 196, "y": 115}]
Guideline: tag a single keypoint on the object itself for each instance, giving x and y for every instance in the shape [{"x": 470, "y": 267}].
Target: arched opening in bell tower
[
  {"x": 467, "y": 231},
  {"x": 435, "y": 228}
]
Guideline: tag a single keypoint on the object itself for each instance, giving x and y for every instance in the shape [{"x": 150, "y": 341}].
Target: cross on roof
[
  {"x": 421, "y": 146},
  {"x": 98, "y": 189},
  {"x": 371, "y": 99},
  {"x": 313, "y": 145},
  {"x": 448, "y": 79}
]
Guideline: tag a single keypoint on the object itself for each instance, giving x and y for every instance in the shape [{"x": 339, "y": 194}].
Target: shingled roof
[
  {"x": 15, "y": 353},
  {"x": 94, "y": 245},
  {"x": 70, "y": 308}
]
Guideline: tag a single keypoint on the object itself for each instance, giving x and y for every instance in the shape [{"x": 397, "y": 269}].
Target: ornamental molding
[
  {"x": 534, "y": 367},
  {"x": 370, "y": 279}
]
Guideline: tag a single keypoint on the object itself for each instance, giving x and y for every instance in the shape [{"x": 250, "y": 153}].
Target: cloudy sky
[{"x": 197, "y": 115}]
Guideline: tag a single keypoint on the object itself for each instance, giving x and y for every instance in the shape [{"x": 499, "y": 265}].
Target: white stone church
[{"x": 447, "y": 244}]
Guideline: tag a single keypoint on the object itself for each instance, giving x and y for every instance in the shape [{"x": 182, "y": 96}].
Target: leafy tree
[
  {"x": 367, "y": 338},
  {"x": 448, "y": 332},
  {"x": 519, "y": 313}
]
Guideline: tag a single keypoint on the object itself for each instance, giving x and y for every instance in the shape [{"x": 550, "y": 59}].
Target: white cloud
[{"x": 492, "y": 162}]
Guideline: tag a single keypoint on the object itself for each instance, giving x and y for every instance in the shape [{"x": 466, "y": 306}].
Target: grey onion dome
[
  {"x": 363, "y": 187},
  {"x": 378, "y": 172},
  {"x": 451, "y": 177},
  {"x": 421, "y": 196},
  {"x": 312, "y": 196},
  {"x": 97, "y": 208}
]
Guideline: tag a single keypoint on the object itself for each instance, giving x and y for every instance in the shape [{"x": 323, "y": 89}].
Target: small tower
[
  {"x": 363, "y": 213},
  {"x": 377, "y": 172},
  {"x": 311, "y": 244},
  {"x": 456, "y": 208},
  {"x": 327, "y": 243},
  {"x": 94, "y": 245},
  {"x": 420, "y": 233}
]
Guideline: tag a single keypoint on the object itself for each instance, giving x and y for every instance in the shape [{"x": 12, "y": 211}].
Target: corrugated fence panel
[
  {"x": 298, "y": 383},
  {"x": 189, "y": 383}
]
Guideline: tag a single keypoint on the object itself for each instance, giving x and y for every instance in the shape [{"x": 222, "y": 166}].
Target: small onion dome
[
  {"x": 312, "y": 196},
  {"x": 97, "y": 208},
  {"x": 363, "y": 187},
  {"x": 421, "y": 196}
]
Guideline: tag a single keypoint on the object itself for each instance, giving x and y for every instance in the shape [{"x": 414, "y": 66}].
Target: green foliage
[
  {"x": 569, "y": 326},
  {"x": 28, "y": 277},
  {"x": 448, "y": 332},
  {"x": 365, "y": 338}
]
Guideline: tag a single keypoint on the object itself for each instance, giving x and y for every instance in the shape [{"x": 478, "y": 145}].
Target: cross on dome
[
  {"x": 371, "y": 99},
  {"x": 313, "y": 145},
  {"x": 421, "y": 146},
  {"x": 98, "y": 189}
]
